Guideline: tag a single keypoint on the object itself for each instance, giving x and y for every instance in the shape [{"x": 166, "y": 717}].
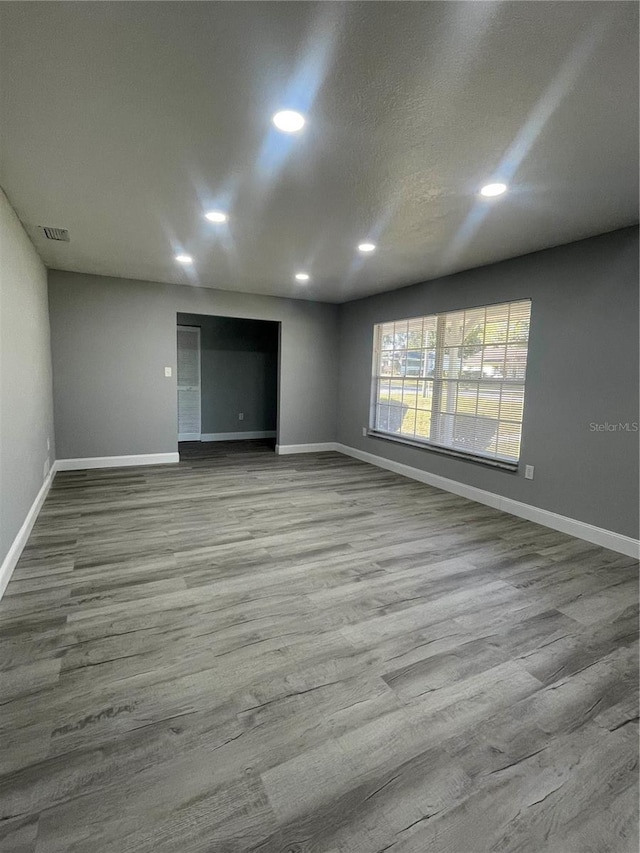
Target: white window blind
[{"x": 454, "y": 380}]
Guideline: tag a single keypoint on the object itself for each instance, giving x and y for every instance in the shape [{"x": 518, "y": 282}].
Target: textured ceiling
[{"x": 123, "y": 122}]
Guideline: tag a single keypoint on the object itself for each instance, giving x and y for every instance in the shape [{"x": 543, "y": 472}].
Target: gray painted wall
[
  {"x": 239, "y": 372},
  {"x": 112, "y": 338},
  {"x": 582, "y": 369},
  {"x": 26, "y": 407}
]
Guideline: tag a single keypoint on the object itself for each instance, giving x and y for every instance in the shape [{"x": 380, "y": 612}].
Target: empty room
[{"x": 319, "y": 427}]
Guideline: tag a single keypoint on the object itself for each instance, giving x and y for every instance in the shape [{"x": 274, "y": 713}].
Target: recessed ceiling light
[
  {"x": 302, "y": 276},
  {"x": 184, "y": 259},
  {"x": 216, "y": 216},
  {"x": 366, "y": 247},
  {"x": 288, "y": 121},
  {"x": 491, "y": 190}
]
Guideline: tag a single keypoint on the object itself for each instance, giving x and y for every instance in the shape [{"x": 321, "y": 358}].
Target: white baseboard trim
[
  {"x": 17, "y": 546},
  {"x": 322, "y": 447},
  {"x": 237, "y": 436},
  {"x": 189, "y": 436},
  {"x": 117, "y": 461},
  {"x": 580, "y": 529}
]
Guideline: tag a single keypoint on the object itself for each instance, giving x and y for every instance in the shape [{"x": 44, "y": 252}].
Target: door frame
[{"x": 279, "y": 333}]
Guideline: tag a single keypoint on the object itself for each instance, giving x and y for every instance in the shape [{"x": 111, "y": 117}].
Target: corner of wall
[{"x": 26, "y": 387}]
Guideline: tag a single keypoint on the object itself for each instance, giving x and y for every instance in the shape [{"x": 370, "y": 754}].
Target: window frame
[{"x": 437, "y": 379}]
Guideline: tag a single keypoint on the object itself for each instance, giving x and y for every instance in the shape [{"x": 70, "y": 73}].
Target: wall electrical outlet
[
  {"x": 167, "y": 371},
  {"x": 528, "y": 472},
  {"x": 364, "y": 430},
  {"x": 240, "y": 416}
]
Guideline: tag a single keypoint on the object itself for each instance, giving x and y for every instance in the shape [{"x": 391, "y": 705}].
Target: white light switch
[
  {"x": 528, "y": 472},
  {"x": 240, "y": 416},
  {"x": 364, "y": 430},
  {"x": 167, "y": 371}
]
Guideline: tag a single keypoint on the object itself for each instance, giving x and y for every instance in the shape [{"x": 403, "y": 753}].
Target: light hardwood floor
[{"x": 306, "y": 654}]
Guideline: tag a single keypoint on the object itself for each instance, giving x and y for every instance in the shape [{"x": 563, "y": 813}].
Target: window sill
[{"x": 512, "y": 467}]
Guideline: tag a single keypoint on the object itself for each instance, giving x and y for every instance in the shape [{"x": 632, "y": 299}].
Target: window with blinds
[{"x": 455, "y": 381}]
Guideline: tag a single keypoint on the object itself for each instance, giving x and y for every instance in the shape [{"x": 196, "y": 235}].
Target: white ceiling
[{"x": 123, "y": 122}]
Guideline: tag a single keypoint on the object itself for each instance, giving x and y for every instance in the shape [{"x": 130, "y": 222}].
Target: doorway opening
[{"x": 227, "y": 374}]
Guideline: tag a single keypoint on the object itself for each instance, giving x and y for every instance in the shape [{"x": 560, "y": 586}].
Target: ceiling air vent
[{"x": 55, "y": 233}]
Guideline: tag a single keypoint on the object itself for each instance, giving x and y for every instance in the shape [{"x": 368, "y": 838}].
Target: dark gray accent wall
[
  {"x": 26, "y": 405},
  {"x": 582, "y": 371},
  {"x": 112, "y": 338},
  {"x": 239, "y": 373}
]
